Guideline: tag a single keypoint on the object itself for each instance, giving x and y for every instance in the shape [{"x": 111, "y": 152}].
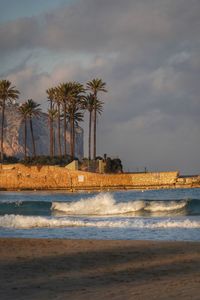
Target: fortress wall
[
  {"x": 124, "y": 180},
  {"x": 22, "y": 177},
  {"x": 19, "y": 177}
]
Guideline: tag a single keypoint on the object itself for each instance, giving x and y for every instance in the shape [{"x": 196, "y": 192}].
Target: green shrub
[
  {"x": 113, "y": 165},
  {"x": 46, "y": 160},
  {"x": 10, "y": 159}
]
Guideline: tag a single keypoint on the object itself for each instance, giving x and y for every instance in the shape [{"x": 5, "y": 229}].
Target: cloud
[
  {"x": 179, "y": 58},
  {"x": 105, "y": 25}
]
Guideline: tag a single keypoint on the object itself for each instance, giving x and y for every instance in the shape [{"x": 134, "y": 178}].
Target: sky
[{"x": 147, "y": 52}]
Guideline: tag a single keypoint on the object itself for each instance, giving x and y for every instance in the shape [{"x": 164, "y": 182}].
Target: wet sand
[{"x": 90, "y": 269}]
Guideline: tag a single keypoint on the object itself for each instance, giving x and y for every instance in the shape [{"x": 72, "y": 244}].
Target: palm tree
[
  {"x": 96, "y": 85},
  {"x": 66, "y": 92},
  {"x": 52, "y": 113},
  {"x": 74, "y": 108},
  {"x": 74, "y": 116},
  {"x": 23, "y": 110},
  {"x": 89, "y": 104},
  {"x": 54, "y": 97},
  {"x": 70, "y": 95},
  {"x": 57, "y": 101},
  {"x": 33, "y": 110},
  {"x": 7, "y": 93},
  {"x": 50, "y": 95}
]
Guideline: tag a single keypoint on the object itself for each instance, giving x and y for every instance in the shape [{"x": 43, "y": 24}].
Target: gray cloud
[{"x": 106, "y": 26}]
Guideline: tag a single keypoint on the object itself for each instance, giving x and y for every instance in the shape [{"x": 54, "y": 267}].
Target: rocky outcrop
[{"x": 14, "y": 141}]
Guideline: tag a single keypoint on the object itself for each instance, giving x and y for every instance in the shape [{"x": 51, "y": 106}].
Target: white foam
[
  {"x": 105, "y": 204},
  {"x": 26, "y": 222},
  {"x": 155, "y": 206},
  {"x": 102, "y": 204}
]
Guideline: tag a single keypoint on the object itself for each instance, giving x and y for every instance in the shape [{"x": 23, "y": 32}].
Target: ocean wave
[
  {"x": 102, "y": 204},
  {"x": 105, "y": 204},
  {"x": 25, "y": 207},
  {"x": 155, "y": 206},
  {"x": 27, "y": 222}
]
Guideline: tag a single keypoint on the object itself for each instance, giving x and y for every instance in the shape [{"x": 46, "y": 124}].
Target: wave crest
[
  {"x": 105, "y": 204},
  {"x": 161, "y": 206},
  {"x": 102, "y": 204},
  {"x": 27, "y": 222}
]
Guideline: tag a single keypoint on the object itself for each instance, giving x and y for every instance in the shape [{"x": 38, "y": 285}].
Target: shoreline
[
  {"x": 98, "y": 269},
  {"x": 97, "y": 190},
  {"x": 94, "y": 190}
]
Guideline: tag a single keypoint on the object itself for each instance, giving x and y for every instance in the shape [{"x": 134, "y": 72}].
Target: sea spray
[
  {"x": 105, "y": 204},
  {"x": 154, "y": 206},
  {"x": 102, "y": 204}
]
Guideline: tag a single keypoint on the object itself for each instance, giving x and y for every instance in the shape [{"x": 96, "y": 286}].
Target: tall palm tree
[
  {"x": 50, "y": 95},
  {"x": 58, "y": 103},
  {"x": 66, "y": 92},
  {"x": 90, "y": 104},
  {"x": 74, "y": 108},
  {"x": 7, "y": 93},
  {"x": 96, "y": 85},
  {"x": 74, "y": 116},
  {"x": 23, "y": 110},
  {"x": 54, "y": 97},
  {"x": 70, "y": 94},
  {"x": 52, "y": 114},
  {"x": 33, "y": 110}
]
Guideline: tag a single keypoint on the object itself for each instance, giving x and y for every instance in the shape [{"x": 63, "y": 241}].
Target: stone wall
[
  {"x": 192, "y": 181},
  {"x": 20, "y": 177},
  {"x": 86, "y": 180}
]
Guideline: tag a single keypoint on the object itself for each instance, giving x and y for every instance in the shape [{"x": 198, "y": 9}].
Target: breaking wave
[
  {"x": 165, "y": 205},
  {"x": 105, "y": 204},
  {"x": 102, "y": 204},
  {"x": 27, "y": 222}
]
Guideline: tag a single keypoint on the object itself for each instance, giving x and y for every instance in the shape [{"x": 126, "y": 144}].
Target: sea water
[{"x": 135, "y": 215}]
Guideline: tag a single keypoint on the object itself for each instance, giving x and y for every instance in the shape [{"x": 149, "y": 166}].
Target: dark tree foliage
[
  {"x": 46, "y": 160},
  {"x": 10, "y": 159},
  {"x": 98, "y": 158},
  {"x": 114, "y": 165}
]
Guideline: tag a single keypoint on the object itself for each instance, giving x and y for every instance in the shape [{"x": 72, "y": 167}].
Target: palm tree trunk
[
  {"x": 65, "y": 129},
  {"x": 95, "y": 127},
  {"x": 32, "y": 137},
  {"x": 25, "y": 138},
  {"x": 71, "y": 137},
  {"x": 54, "y": 140},
  {"x": 51, "y": 131},
  {"x": 95, "y": 130},
  {"x": 89, "y": 140},
  {"x": 51, "y": 137},
  {"x": 59, "y": 139},
  {"x": 2, "y": 130}
]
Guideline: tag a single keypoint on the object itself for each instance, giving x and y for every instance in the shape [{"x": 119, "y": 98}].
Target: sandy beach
[{"x": 90, "y": 269}]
